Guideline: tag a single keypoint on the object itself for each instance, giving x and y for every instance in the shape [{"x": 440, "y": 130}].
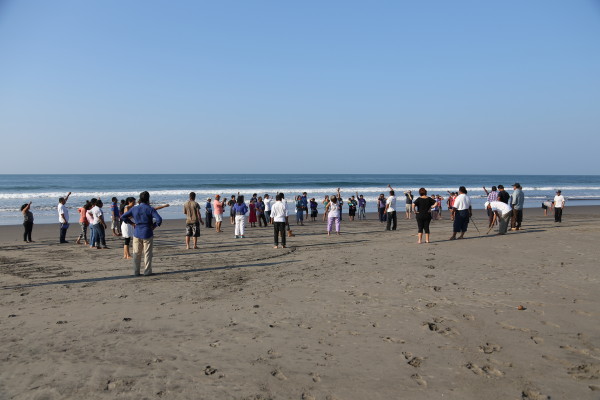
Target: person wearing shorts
[
  {"x": 218, "y": 206},
  {"x": 193, "y": 220}
]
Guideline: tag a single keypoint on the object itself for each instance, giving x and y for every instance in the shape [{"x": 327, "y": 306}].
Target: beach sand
[{"x": 366, "y": 315}]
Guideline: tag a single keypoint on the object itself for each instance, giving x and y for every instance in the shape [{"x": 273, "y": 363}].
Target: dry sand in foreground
[{"x": 367, "y": 315}]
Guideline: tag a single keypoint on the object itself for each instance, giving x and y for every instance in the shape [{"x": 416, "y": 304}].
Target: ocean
[{"x": 44, "y": 190}]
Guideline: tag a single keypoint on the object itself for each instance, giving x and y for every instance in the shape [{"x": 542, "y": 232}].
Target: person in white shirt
[
  {"x": 558, "y": 204},
  {"x": 390, "y": 211},
  {"x": 268, "y": 203},
  {"x": 278, "y": 217},
  {"x": 99, "y": 226},
  {"x": 501, "y": 213},
  {"x": 63, "y": 217},
  {"x": 462, "y": 214}
]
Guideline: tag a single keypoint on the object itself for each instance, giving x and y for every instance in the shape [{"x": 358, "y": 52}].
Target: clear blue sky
[{"x": 314, "y": 86}]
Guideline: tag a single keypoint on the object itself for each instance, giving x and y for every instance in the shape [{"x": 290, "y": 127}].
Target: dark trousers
[
  {"x": 423, "y": 222},
  {"x": 100, "y": 237},
  {"x": 558, "y": 215},
  {"x": 517, "y": 218},
  {"x": 279, "y": 230},
  {"x": 461, "y": 220},
  {"x": 381, "y": 213},
  {"x": 391, "y": 221},
  {"x": 261, "y": 217},
  {"x": 208, "y": 218},
  {"x": 28, "y": 229},
  {"x": 268, "y": 214},
  {"x": 63, "y": 232}
]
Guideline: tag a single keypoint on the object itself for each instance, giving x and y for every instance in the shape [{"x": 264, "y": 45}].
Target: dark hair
[
  {"x": 87, "y": 205},
  {"x": 192, "y": 196},
  {"x": 462, "y": 189},
  {"x": 422, "y": 192},
  {"x": 392, "y": 193},
  {"x": 130, "y": 199},
  {"x": 93, "y": 201},
  {"x": 145, "y": 197},
  {"x": 240, "y": 200},
  {"x": 501, "y": 187},
  {"x": 493, "y": 188},
  {"x": 61, "y": 199},
  {"x": 23, "y": 206},
  {"x": 333, "y": 199},
  {"x": 99, "y": 203},
  {"x": 277, "y": 196},
  {"x": 114, "y": 199}
]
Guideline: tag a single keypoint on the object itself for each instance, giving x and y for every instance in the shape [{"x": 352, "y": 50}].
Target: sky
[{"x": 432, "y": 87}]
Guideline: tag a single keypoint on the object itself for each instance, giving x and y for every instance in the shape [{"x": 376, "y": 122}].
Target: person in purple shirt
[{"x": 145, "y": 220}]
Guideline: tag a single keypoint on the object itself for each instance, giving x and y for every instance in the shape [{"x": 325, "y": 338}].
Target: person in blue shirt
[
  {"x": 145, "y": 220},
  {"x": 240, "y": 209},
  {"x": 208, "y": 213}
]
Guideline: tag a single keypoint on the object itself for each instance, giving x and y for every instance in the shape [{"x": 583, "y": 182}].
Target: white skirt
[{"x": 126, "y": 230}]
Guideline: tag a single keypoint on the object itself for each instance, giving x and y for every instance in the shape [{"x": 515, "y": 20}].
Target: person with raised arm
[
  {"x": 27, "y": 222},
  {"x": 63, "y": 217}
]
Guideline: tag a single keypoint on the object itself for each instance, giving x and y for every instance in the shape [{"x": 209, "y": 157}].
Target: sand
[{"x": 366, "y": 315}]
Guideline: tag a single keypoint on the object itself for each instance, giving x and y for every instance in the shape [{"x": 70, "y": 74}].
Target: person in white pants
[{"x": 240, "y": 208}]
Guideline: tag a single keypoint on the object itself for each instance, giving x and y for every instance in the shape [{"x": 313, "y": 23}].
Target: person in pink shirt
[
  {"x": 83, "y": 222},
  {"x": 218, "y": 212}
]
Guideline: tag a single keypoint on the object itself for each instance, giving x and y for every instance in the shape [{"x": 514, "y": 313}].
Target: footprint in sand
[
  {"x": 469, "y": 317},
  {"x": 420, "y": 381},
  {"x": 537, "y": 340},
  {"x": 430, "y": 305},
  {"x": 585, "y": 372},
  {"x": 489, "y": 348},
  {"x": 429, "y": 276},
  {"x": 315, "y": 377},
  {"x": 533, "y": 394},
  {"x": 487, "y": 370},
  {"x": 279, "y": 375}
]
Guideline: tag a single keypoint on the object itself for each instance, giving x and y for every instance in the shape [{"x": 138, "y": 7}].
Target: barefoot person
[
  {"x": 558, "y": 204},
  {"x": 240, "y": 209},
  {"x": 279, "y": 215},
  {"x": 218, "y": 207},
  {"x": 143, "y": 233},
  {"x": 127, "y": 228},
  {"x": 192, "y": 221},
  {"x": 422, "y": 209},
  {"x": 390, "y": 210},
  {"x": 63, "y": 217},
  {"x": 333, "y": 213},
  {"x": 462, "y": 213}
]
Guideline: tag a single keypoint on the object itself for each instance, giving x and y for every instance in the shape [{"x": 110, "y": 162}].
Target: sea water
[{"x": 44, "y": 190}]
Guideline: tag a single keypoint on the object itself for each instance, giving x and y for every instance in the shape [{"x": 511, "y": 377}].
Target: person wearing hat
[
  {"x": 558, "y": 204},
  {"x": 517, "y": 201},
  {"x": 208, "y": 213}
]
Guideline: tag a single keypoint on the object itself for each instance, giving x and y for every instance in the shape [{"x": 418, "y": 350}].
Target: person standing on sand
[
  {"x": 304, "y": 200},
  {"x": 208, "y": 213},
  {"x": 252, "y": 212},
  {"x": 517, "y": 202},
  {"x": 260, "y": 212},
  {"x": 218, "y": 206},
  {"x": 231, "y": 203},
  {"x": 409, "y": 202},
  {"x": 422, "y": 209},
  {"x": 268, "y": 202},
  {"x": 279, "y": 215},
  {"x": 313, "y": 209},
  {"x": 127, "y": 229},
  {"x": 491, "y": 197},
  {"x": 462, "y": 213},
  {"x": 503, "y": 195},
  {"x": 27, "y": 222},
  {"x": 143, "y": 233},
  {"x": 240, "y": 209},
  {"x": 362, "y": 205},
  {"x": 390, "y": 210},
  {"x": 115, "y": 216},
  {"x": 192, "y": 221},
  {"x": 83, "y": 222},
  {"x": 99, "y": 226},
  {"x": 558, "y": 204},
  {"x": 63, "y": 217},
  {"x": 381, "y": 208},
  {"x": 502, "y": 213},
  {"x": 333, "y": 213},
  {"x": 325, "y": 203}
]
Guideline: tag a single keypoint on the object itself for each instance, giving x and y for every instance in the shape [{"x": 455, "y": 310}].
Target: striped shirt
[{"x": 492, "y": 196}]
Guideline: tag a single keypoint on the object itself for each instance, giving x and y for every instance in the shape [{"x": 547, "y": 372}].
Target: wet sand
[{"x": 366, "y": 315}]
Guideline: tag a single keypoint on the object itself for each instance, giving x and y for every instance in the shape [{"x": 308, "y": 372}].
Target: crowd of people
[{"x": 135, "y": 220}]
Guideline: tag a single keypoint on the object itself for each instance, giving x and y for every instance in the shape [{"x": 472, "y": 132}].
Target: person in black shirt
[
  {"x": 422, "y": 209},
  {"x": 503, "y": 195}
]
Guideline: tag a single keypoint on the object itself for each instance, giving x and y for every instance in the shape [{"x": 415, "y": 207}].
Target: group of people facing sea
[{"x": 135, "y": 220}]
